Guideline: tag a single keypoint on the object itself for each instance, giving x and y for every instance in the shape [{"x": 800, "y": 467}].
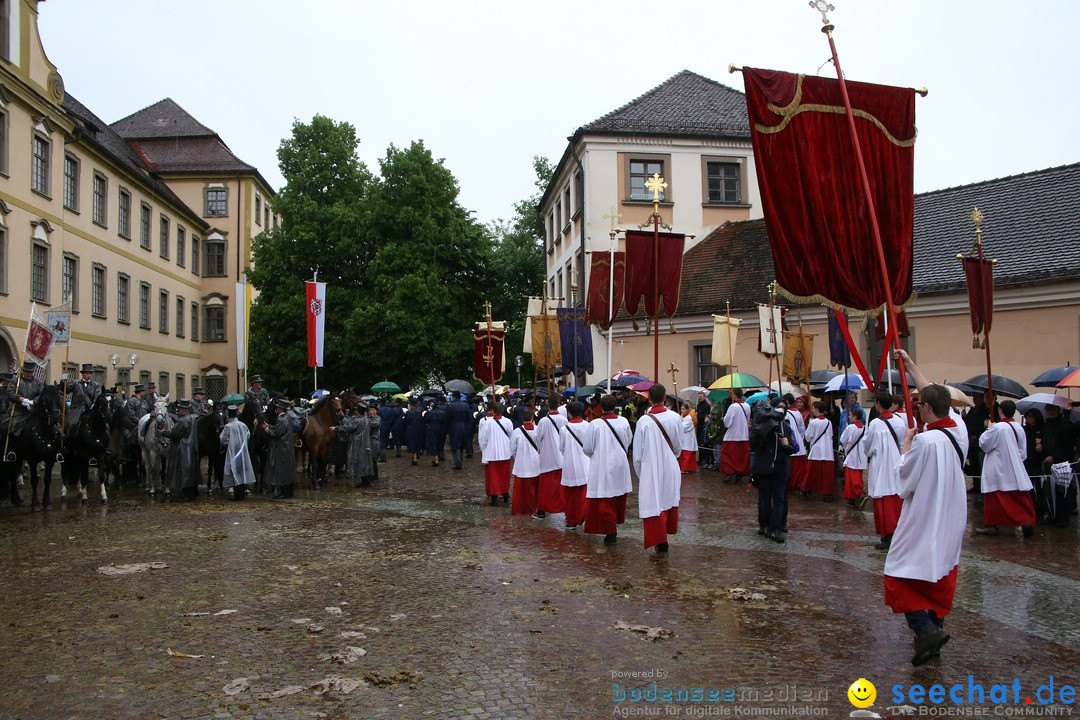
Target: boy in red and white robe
[
  {"x": 549, "y": 497},
  {"x": 821, "y": 474},
  {"x": 493, "y": 435},
  {"x": 526, "y": 466},
  {"x": 1006, "y": 486},
  {"x": 575, "y": 471},
  {"x": 851, "y": 440},
  {"x": 606, "y": 445},
  {"x": 688, "y": 457},
  {"x": 884, "y": 435},
  {"x": 795, "y": 421},
  {"x": 656, "y": 450},
  {"x": 735, "y": 448},
  {"x": 920, "y": 570}
]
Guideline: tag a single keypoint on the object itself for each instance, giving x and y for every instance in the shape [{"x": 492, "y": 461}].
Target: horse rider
[
  {"x": 21, "y": 396},
  {"x": 84, "y": 393},
  {"x": 200, "y": 405},
  {"x": 257, "y": 395},
  {"x": 136, "y": 408},
  {"x": 150, "y": 399}
]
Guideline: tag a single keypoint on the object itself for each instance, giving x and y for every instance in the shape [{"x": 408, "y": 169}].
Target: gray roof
[
  {"x": 685, "y": 104},
  {"x": 1029, "y": 226},
  {"x": 163, "y": 119},
  {"x": 93, "y": 130}
]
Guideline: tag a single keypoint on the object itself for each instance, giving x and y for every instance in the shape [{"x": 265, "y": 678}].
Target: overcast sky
[{"x": 488, "y": 85}]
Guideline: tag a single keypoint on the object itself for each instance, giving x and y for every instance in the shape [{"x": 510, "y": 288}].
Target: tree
[
  {"x": 429, "y": 259},
  {"x": 322, "y": 211},
  {"x": 518, "y": 264}
]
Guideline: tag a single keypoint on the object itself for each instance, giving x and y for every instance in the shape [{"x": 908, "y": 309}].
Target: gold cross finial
[
  {"x": 487, "y": 309},
  {"x": 977, "y": 218},
  {"x": 614, "y": 216},
  {"x": 656, "y": 185},
  {"x": 822, "y": 7}
]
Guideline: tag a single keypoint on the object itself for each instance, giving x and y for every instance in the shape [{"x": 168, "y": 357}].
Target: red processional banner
[
  {"x": 812, "y": 194},
  {"x": 488, "y": 355},
  {"x": 642, "y": 274},
  {"x": 600, "y": 310},
  {"x": 980, "y": 284}
]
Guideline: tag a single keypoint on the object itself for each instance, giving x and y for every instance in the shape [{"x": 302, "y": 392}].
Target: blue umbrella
[
  {"x": 1051, "y": 378},
  {"x": 319, "y": 393},
  {"x": 762, "y": 395}
]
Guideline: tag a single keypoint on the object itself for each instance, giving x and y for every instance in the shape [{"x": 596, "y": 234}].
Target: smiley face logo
[{"x": 862, "y": 693}]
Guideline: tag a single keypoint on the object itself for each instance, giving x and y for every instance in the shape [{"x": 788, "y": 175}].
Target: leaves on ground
[
  {"x": 183, "y": 655},
  {"x": 652, "y": 633},
  {"x": 130, "y": 568}
]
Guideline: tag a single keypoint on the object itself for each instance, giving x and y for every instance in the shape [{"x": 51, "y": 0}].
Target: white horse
[{"x": 154, "y": 446}]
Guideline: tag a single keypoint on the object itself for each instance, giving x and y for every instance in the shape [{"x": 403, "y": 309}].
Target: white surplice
[
  {"x": 737, "y": 423},
  {"x": 606, "y": 444},
  {"x": 576, "y": 463},
  {"x": 1005, "y": 445},
  {"x": 854, "y": 441},
  {"x": 819, "y": 438},
  {"x": 547, "y": 439},
  {"x": 656, "y": 464},
  {"x": 526, "y": 457},
  {"x": 798, "y": 429},
  {"x": 689, "y": 433},
  {"x": 493, "y": 437},
  {"x": 882, "y": 448},
  {"x": 926, "y": 544}
]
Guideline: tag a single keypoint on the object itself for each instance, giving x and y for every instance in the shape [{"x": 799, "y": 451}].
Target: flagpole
[
  {"x": 892, "y": 338},
  {"x": 315, "y": 366},
  {"x": 977, "y": 218},
  {"x": 730, "y": 341},
  {"x": 613, "y": 231},
  {"x": 773, "y": 332},
  {"x": 64, "y": 405}
]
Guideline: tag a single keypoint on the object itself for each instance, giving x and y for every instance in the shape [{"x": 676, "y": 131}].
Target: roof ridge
[
  {"x": 153, "y": 121},
  {"x": 653, "y": 90},
  {"x": 1004, "y": 178}
]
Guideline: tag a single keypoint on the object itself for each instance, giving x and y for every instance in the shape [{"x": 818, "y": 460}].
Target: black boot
[
  {"x": 928, "y": 642},
  {"x": 494, "y": 500},
  {"x": 662, "y": 548},
  {"x": 506, "y": 498},
  {"x": 610, "y": 538}
]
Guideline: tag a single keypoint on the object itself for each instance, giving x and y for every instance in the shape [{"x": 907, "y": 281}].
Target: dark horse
[
  {"x": 259, "y": 443},
  {"x": 88, "y": 447},
  {"x": 209, "y": 427},
  {"x": 39, "y": 442},
  {"x": 317, "y": 436}
]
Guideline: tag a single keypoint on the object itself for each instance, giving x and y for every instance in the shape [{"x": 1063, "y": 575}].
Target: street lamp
[
  {"x": 114, "y": 359},
  {"x": 134, "y": 360},
  {"x": 519, "y": 361}
]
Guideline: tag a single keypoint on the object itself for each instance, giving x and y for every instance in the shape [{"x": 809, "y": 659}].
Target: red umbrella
[
  {"x": 642, "y": 386},
  {"x": 1070, "y": 380}
]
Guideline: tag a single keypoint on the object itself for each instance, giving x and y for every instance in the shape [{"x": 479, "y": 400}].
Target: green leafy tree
[
  {"x": 428, "y": 270},
  {"x": 322, "y": 210}
]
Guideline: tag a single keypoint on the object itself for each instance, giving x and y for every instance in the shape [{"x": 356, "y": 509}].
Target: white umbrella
[
  {"x": 690, "y": 393},
  {"x": 1039, "y": 401},
  {"x": 841, "y": 383},
  {"x": 784, "y": 387}
]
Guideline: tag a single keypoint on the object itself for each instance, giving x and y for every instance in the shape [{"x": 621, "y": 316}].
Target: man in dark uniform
[
  {"x": 386, "y": 424},
  {"x": 459, "y": 420},
  {"x": 84, "y": 393},
  {"x": 9, "y": 485},
  {"x": 414, "y": 430},
  {"x": 199, "y": 404},
  {"x": 21, "y": 395},
  {"x": 435, "y": 431},
  {"x": 150, "y": 399},
  {"x": 280, "y": 469},
  {"x": 257, "y": 395},
  {"x": 397, "y": 427},
  {"x": 182, "y": 471}
]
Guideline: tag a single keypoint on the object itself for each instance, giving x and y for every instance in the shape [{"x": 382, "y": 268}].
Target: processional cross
[{"x": 655, "y": 185}]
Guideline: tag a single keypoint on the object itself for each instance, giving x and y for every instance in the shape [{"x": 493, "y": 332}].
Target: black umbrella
[
  {"x": 540, "y": 393},
  {"x": 461, "y": 386},
  {"x": 1002, "y": 385},
  {"x": 820, "y": 377},
  {"x": 617, "y": 385},
  {"x": 1051, "y": 378},
  {"x": 433, "y": 392},
  {"x": 893, "y": 376}
]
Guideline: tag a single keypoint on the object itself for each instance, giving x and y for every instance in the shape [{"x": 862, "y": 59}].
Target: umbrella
[
  {"x": 784, "y": 387},
  {"x": 971, "y": 392},
  {"x": 736, "y": 381},
  {"x": 581, "y": 392},
  {"x": 233, "y": 399},
  {"x": 1039, "y": 401},
  {"x": 642, "y": 386},
  {"x": 690, "y": 393},
  {"x": 1051, "y": 378},
  {"x": 401, "y": 396},
  {"x": 1002, "y": 385},
  {"x": 1070, "y": 380},
  {"x": 628, "y": 377},
  {"x": 529, "y": 392},
  {"x": 841, "y": 383},
  {"x": 433, "y": 392},
  {"x": 461, "y": 386},
  {"x": 385, "y": 387},
  {"x": 615, "y": 384},
  {"x": 959, "y": 397},
  {"x": 820, "y": 377},
  {"x": 761, "y": 395},
  {"x": 893, "y": 376}
]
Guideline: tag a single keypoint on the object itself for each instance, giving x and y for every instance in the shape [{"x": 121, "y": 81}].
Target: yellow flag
[
  {"x": 798, "y": 356},
  {"x": 546, "y": 342},
  {"x": 724, "y": 334}
]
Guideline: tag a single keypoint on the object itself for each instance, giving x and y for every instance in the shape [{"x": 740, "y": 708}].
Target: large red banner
[
  {"x": 598, "y": 310},
  {"x": 488, "y": 354},
  {"x": 642, "y": 274},
  {"x": 812, "y": 195},
  {"x": 980, "y": 282}
]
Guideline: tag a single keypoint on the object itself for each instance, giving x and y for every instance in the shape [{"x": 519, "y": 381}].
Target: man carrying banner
[
  {"x": 21, "y": 397},
  {"x": 656, "y": 450},
  {"x": 735, "y": 450}
]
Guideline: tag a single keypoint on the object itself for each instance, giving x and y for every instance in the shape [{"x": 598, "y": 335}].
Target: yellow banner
[
  {"x": 798, "y": 356},
  {"x": 546, "y": 342}
]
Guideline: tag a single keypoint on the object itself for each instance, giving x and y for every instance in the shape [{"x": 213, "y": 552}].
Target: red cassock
[
  {"x": 821, "y": 477},
  {"x": 735, "y": 457},
  {"x": 604, "y": 515},
  {"x": 497, "y": 477},
  {"x": 887, "y": 514},
  {"x": 658, "y": 527},
  {"x": 799, "y": 469},
  {"x": 551, "y": 493},
  {"x": 523, "y": 501},
  {"x": 574, "y": 507},
  {"x": 1011, "y": 508},
  {"x": 854, "y": 487},
  {"x": 905, "y": 595},
  {"x": 688, "y": 460}
]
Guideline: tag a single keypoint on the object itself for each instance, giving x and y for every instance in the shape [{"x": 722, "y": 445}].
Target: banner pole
[{"x": 891, "y": 337}]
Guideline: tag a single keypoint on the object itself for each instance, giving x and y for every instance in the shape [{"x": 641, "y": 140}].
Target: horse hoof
[
  {"x": 104, "y": 501},
  {"x": 84, "y": 501},
  {"x": 35, "y": 507},
  {"x": 47, "y": 506}
]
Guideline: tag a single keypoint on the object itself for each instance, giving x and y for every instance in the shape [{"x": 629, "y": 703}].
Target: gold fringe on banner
[{"x": 822, "y": 300}]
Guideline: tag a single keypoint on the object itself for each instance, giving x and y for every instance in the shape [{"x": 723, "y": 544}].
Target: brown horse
[{"x": 318, "y": 436}]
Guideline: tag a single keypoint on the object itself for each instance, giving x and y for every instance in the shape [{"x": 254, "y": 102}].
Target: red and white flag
[
  {"x": 316, "y": 317},
  {"x": 40, "y": 338}
]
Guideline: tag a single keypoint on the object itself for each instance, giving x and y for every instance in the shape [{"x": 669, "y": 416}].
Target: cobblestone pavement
[{"x": 459, "y": 610}]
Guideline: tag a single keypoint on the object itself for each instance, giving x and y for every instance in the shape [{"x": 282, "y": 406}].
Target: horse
[
  {"x": 317, "y": 436},
  {"x": 121, "y": 454},
  {"x": 154, "y": 445},
  {"x": 209, "y": 428},
  {"x": 88, "y": 447},
  {"x": 39, "y": 442}
]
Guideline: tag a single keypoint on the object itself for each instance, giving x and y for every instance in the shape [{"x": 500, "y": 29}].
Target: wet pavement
[{"x": 415, "y": 599}]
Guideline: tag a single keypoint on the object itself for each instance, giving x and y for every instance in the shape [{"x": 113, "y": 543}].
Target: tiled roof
[
  {"x": 1030, "y": 226},
  {"x": 685, "y": 104},
  {"x": 95, "y": 131},
  {"x": 189, "y": 155},
  {"x": 163, "y": 119}
]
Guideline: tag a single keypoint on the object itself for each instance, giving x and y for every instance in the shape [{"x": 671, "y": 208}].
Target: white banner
[
  {"x": 724, "y": 334},
  {"x": 241, "y": 305},
  {"x": 535, "y": 304},
  {"x": 772, "y": 331}
]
